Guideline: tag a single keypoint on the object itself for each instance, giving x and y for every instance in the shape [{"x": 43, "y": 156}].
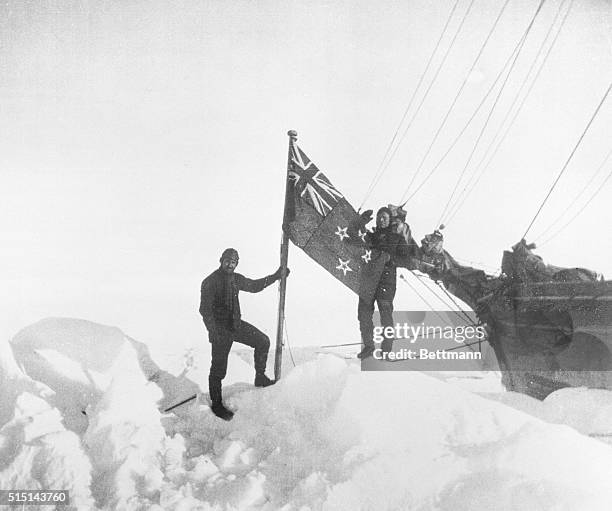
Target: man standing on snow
[
  {"x": 389, "y": 238},
  {"x": 220, "y": 310}
]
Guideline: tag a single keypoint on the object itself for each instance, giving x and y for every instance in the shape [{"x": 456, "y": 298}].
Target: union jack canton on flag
[{"x": 320, "y": 221}]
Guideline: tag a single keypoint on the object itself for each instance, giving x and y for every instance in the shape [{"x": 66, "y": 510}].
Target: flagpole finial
[{"x": 292, "y": 134}]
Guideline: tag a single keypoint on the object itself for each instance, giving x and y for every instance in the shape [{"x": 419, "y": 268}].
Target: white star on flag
[
  {"x": 362, "y": 235},
  {"x": 341, "y": 233},
  {"x": 343, "y": 266},
  {"x": 367, "y": 257}
]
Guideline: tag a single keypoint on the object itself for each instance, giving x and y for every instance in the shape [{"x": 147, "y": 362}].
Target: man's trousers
[{"x": 221, "y": 344}]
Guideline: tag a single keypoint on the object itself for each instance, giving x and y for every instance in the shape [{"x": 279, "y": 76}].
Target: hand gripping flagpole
[{"x": 284, "y": 256}]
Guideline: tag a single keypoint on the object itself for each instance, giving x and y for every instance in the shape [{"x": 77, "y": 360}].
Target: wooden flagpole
[{"x": 284, "y": 256}]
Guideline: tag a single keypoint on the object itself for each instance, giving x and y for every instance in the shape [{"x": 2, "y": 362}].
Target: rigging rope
[
  {"x": 422, "y": 280},
  {"x": 462, "y": 131},
  {"x": 477, "y": 263},
  {"x": 287, "y": 341},
  {"x": 465, "y": 314},
  {"x": 432, "y": 309},
  {"x": 422, "y": 298},
  {"x": 340, "y": 345},
  {"x": 579, "y": 211},
  {"x": 490, "y": 114},
  {"x": 431, "y": 83},
  {"x": 569, "y": 206},
  {"x": 459, "y": 312},
  {"x": 568, "y": 160},
  {"x": 454, "y": 102},
  {"x": 381, "y": 170},
  {"x": 481, "y": 168}
]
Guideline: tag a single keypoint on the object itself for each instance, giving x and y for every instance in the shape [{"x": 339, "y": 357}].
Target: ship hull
[{"x": 552, "y": 335}]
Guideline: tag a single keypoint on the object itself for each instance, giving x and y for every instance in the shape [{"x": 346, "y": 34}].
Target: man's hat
[
  {"x": 397, "y": 212},
  {"x": 384, "y": 209},
  {"x": 438, "y": 232},
  {"x": 229, "y": 253}
]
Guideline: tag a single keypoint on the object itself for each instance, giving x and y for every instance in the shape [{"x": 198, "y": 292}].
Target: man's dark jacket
[
  {"x": 219, "y": 304},
  {"x": 396, "y": 246}
]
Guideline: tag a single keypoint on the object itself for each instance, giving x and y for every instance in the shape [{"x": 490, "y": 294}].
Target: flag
[{"x": 320, "y": 221}]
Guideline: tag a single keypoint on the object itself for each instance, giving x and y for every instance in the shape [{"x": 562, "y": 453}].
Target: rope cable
[
  {"x": 579, "y": 211},
  {"x": 429, "y": 305},
  {"x": 454, "y": 102},
  {"x": 422, "y": 280},
  {"x": 490, "y": 114},
  {"x": 569, "y": 206},
  {"x": 380, "y": 171},
  {"x": 477, "y": 263},
  {"x": 422, "y": 298},
  {"x": 340, "y": 345},
  {"x": 452, "y": 299},
  {"x": 480, "y": 168},
  {"x": 462, "y": 131},
  {"x": 459, "y": 312},
  {"x": 431, "y": 83},
  {"x": 287, "y": 341},
  {"x": 568, "y": 160}
]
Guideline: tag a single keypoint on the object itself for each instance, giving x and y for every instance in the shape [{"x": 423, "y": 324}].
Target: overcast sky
[{"x": 139, "y": 139}]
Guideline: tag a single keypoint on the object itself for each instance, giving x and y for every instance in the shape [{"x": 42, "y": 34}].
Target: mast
[{"x": 284, "y": 256}]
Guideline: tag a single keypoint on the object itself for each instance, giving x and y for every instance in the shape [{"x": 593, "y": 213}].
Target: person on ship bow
[
  {"x": 391, "y": 235},
  {"x": 220, "y": 310}
]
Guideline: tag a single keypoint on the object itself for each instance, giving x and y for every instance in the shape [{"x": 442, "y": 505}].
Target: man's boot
[
  {"x": 368, "y": 344},
  {"x": 261, "y": 380},
  {"x": 217, "y": 407},
  {"x": 387, "y": 345},
  {"x": 220, "y": 411},
  {"x": 366, "y": 352},
  {"x": 260, "y": 358}
]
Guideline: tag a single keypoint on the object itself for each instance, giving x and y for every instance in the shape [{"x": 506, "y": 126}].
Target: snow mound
[
  {"x": 588, "y": 411},
  {"x": 125, "y": 440},
  {"x": 13, "y": 382},
  {"x": 326, "y": 437},
  {"x": 89, "y": 348},
  {"x": 330, "y": 437},
  {"x": 78, "y": 360},
  {"x": 37, "y": 452}
]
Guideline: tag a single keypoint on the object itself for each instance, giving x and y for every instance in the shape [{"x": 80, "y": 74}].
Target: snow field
[{"x": 326, "y": 437}]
